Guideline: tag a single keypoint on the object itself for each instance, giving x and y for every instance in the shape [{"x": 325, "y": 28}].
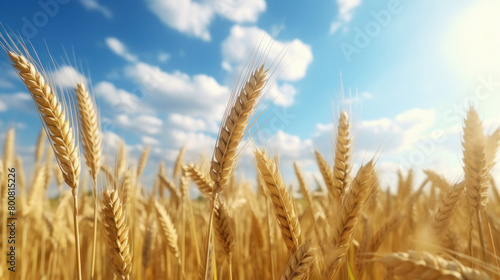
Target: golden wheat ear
[
  {"x": 53, "y": 117},
  {"x": 116, "y": 233},
  {"x": 58, "y": 129},
  {"x": 204, "y": 183},
  {"x": 167, "y": 229},
  {"x": 91, "y": 141},
  {"x": 89, "y": 129},
  {"x": 423, "y": 265},
  {"x": 299, "y": 264},
  {"x": 282, "y": 201},
  {"x": 326, "y": 172},
  {"x": 341, "y": 167},
  {"x": 351, "y": 207},
  {"x": 233, "y": 128}
]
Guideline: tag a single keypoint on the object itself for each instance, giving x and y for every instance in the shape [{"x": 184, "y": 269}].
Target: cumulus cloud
[
  {"x": 110, "y": 140},
  {"x": 295, "y": 56},
  {"x": 142, "y": 123},
  {"x": 5, "y": 83},
  {"x": 364, "y": 96},
  {"x": 119, "y": 100},
  {"x": 163, "y": 57},
  {"x": 177, "y": 92},
  {"x": 120, "y": 49},
  {"x": 290, "y": 147},
  {"x": 194, "y": 18},
  {"x": 147, "y": 140},
  {"x": 240, "y": 10},
  {"x": 186, "y": 16},
  {"x": 196, "y": 143},
  {"x": 191, "y": 123},
  {"x": 67, "y": 77},
  {"x": 345, "y": 11},
  {"x": 19, "y": 101},
  {"x": 283, "y": 94},
  {"x": 93, "y": 5}
]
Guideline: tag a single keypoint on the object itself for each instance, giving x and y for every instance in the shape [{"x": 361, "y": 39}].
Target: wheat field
[{"x": 106, "y": 223}]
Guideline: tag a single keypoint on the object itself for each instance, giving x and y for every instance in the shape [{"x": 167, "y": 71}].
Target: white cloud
[
  {"x": 120, "y": 49},
  {"x": 163, "y": 57},
  {"x": 196, "y": 143},
  {"x": 290, "y": 147},
  {"x": 21, "y": 101},
  {"x": 177, "y": 92},
  {"x": 364, "y": 96},
  {"x": 16, "y": 101},
  {"x": 240, "y": 10},
  {"x": 335, "y": 26},
  {"x": 191, "y": 123},
  {"x": 67, "y": 77},
  {"x": 149, "y": 141},
  {"x": 346, "y": 8},
  {"x": 110, "y": 140},
  {"x": 142, "y": 123},
  {"x": 93, "y": 5},
  {"x": 294, "y": 56},
  {"x": 186, "y": 16},
  {"x": 3, "y": 106},
  {"x": 119, "y": 99},
  {"x": 4, "y": 83},
  {"x": 345, "y": 11},
  {"x": 283, "y": 94},
  {"x": 194, "y": 17}
]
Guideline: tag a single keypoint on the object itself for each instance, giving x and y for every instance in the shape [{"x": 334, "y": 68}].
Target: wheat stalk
[
  {"x": 59, "y": 177},
  {"x": 40, "y": 147},
  {"x": 179, "y": 162},
  {"x": 350, "y": 211},
  {"x": 474, "y": 162},
  {"x": 224, "y": 230},
  {"x": 299, "y": 263},
  {"x": 423, "y": 265},
  {"x": 168, "y": 231},
  {"x": 58, "y": 130},
  {"x": 174, "y": 192},
  {"x": 206, "y": 268},
  {"x": 204, "y": 183},
  {"x": 233, "y": 128},
  {"x": 437, "y": 180},
  {"x": 54, "y": 118},
  {"x": 91, "y": 140},
  {"x": 326, "y": 172},
  {"x": 143, "y": 161},
  {"x": 341, "y": 167},
  {"x": 491, "y": 147},
  {"x": 121, "y": 159},
  {"x": 303, "y": 186},
  {"x": 116, "y": 234},
  {"x": 89, "y": 129},
  {"x": 476, "y": 185},
  {"x": 282, "y": 202},
  {"x": 447, "y": 208}
]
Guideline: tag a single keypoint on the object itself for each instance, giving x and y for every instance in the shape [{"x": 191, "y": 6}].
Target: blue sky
[{"x": 162, "y": 70}]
